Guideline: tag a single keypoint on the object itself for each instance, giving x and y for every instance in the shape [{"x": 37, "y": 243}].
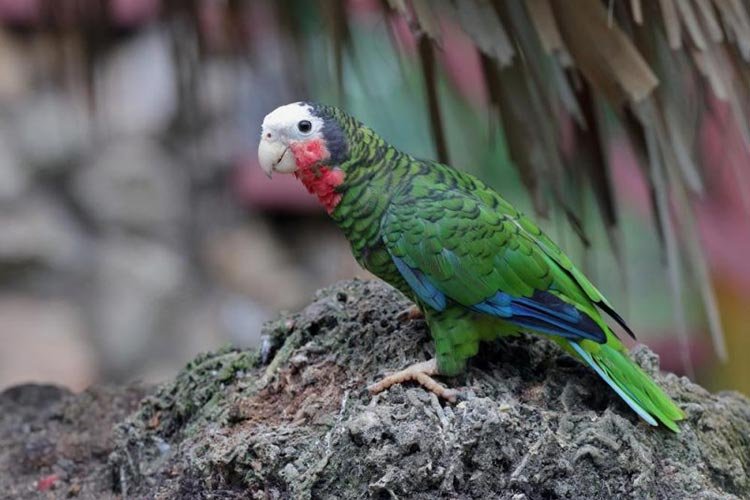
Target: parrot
[{"x": 476, "y": 268}]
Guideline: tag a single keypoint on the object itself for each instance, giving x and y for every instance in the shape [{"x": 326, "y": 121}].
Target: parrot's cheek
[{"x": 309, "y": 154}]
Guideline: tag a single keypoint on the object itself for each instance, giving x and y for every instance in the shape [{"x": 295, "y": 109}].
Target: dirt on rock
[{"x": 294, "y": 420}]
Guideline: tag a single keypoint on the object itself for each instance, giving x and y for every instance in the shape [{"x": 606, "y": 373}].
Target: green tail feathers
[{"x": 631, "y": 383}]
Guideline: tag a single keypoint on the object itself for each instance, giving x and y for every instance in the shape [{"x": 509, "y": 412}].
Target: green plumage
[{"x": 477, "y": 267}]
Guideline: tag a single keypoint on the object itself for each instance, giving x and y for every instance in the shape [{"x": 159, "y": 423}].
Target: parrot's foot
[
  {"x": 409, "y": 314},
  {"x": 420, "y": 373}
]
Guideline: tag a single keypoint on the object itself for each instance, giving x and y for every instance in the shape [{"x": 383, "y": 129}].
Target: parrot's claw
[
  {"x": 420, "y": 373},
  {"x": 410, "y": 314}
]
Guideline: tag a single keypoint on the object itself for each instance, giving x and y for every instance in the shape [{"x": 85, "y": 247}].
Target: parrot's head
[
  {"x": 300, "y": 135},
  {"x": 308, "y": 140}
]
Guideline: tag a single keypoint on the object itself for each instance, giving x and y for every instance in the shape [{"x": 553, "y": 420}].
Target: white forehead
[{"x": 289, "y": 115}]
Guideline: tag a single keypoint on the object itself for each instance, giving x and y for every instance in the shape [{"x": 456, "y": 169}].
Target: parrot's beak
[{"x": 275, "y": 156}]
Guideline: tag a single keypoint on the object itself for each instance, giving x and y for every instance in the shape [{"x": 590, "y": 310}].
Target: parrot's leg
[
  {"x": 422, "y": 374},
  {"x": 456, "y": 333},
  {"x": 410, "y": 314}
]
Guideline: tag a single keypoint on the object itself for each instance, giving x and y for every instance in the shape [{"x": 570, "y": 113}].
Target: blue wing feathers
[
  {"x": 543, "y": 312},
  {"x": 421, "y": 285},
  {"x": 499, "y": 305},
  {"x": 547, "y": 313}
]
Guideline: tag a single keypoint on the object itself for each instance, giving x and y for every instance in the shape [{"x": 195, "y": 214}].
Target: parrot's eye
[{"x": 304, "y": 126}]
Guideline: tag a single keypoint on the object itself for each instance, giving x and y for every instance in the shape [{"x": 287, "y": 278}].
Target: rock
[
  {"x": 39, "y": 232},
  {"x": 218, "y": 93},
  {"x": 225, "y": 129},
  {"x": 534, "y": 423},
  {"x": 51, "y": 437},
  {"x": 52, "y": 128},
  {"x": 321, "y": 247},
  {"x": 137, "y": 286},
  {"x": 242, "y": 318},
  {"x": 14, "y": 179},
  {"x": 194, "y": 326},
  {"x": 133, "y": 184},
  {"x": 248, "y": 259},
  {"x": 135, "y": 89},
  {"x": 215, "y": 150},
  {"x": 50, "y": 343}
]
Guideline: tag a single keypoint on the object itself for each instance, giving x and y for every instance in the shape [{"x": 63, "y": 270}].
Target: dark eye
[{"x": 304, "y": 126}]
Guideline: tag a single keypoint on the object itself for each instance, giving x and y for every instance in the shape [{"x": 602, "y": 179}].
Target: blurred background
[{"x": 136, "y": 228}]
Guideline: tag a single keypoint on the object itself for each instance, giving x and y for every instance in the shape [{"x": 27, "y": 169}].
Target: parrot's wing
[
  {"x": 451, "y": 246},
  {"x": 555, "y": 253}
]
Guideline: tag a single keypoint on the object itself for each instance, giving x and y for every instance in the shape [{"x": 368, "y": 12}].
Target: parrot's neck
[
  {"x": 372, "y": 172},
  {"x": 353, "y": 172}
]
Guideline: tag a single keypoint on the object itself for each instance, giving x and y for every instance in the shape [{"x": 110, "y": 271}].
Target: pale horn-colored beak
[{"x": 275, "y": 156}]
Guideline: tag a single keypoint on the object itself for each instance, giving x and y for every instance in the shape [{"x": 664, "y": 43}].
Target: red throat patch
[{"x": 320, "y": 181}]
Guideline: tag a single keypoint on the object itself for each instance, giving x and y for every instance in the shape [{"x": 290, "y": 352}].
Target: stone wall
[{"x": 125, "y": 247}]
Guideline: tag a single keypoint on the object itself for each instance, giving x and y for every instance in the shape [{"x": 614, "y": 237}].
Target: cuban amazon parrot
[{"x": 477, "y": 268}]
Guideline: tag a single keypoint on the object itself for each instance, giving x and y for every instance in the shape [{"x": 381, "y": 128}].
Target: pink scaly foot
[{"x": 420, "y": 373}]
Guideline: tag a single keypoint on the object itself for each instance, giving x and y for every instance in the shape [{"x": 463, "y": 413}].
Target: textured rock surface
[
  {"x": 54, "y": 444},
  {"x": 534, "y": 424}
]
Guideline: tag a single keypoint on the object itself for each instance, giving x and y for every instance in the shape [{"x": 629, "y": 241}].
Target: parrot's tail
[{"x": 632, "y": 384}]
